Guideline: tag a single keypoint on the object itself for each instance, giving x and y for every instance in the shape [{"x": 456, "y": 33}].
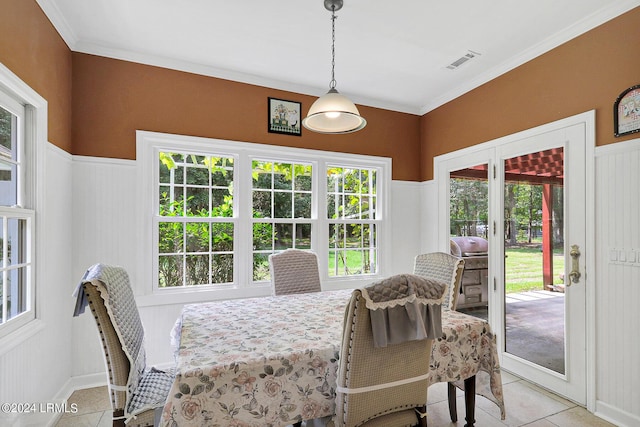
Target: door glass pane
[
  {"x": 534, "y": 259},
  {"x": 469, "y": 231}
]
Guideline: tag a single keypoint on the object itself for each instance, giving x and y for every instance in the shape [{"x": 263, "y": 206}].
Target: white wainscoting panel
[
  {"x": 429, "y": 218},
  {"x": 36, "y": 369},
  {"x": 104, "y": 221},
  {"x": 618, "y": 282},
  {"x": 406, "y": 223}
]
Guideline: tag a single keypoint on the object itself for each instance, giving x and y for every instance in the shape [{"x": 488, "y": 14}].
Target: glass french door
[
  {"x": 536, "y": 230},
  {"x": 469, "y": 233}
]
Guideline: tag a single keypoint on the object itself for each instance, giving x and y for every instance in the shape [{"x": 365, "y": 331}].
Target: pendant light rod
[
  {"x": 333, "y": 113},
  {"x": 332, "y": 83}
]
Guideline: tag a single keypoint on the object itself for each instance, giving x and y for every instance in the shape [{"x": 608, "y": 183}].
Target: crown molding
[{"x": 51, "y": 10}]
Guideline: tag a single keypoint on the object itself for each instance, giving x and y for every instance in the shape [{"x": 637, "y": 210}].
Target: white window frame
[
  {"x": 16, "y": 96},
  {"x": 149, "y": 144},
  {"x": 289, "y": 220},
  {"x": 185, "y": 219},
  {"x": 341, "y": 221}
]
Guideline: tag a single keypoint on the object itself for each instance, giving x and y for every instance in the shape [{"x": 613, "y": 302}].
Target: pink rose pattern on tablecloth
[{"x": 286, "y": 381}]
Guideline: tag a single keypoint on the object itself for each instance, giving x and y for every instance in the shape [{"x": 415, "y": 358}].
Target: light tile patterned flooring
[
  {"x": 527, "y": 405},
  {"x": 94, "y": 409}
]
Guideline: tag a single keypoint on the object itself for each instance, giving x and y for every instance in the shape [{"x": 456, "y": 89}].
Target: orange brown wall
[
  {"x": 112, "y": 99},
  {"x": 32, "y": 49},
  {"x": 586, "y": 73}
]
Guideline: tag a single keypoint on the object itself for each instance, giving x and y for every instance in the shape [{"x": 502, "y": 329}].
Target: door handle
[{"x": 574, "y": 276}]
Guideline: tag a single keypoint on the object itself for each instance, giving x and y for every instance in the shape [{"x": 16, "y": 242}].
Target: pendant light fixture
[{"x": 333, "y": 113}]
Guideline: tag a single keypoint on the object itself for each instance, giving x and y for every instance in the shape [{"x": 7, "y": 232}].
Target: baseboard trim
[
  {"x": 81, "y": 382},
  {"x": 616, "y": 415}
]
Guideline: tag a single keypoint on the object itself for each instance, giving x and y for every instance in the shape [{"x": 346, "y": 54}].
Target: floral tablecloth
[
  {"x": 273, "y": 361},
  {"x": 467, "y": 347}
]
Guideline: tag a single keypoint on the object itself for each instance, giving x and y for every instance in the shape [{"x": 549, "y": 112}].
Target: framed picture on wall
[
  {"x": 626, "y": 112},
  {"x": 284, "y": 117}
]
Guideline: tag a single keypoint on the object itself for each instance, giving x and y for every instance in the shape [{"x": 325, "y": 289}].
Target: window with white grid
[
  {"x": 222, "y": 207},
  {"x": 282, "y": 210},
  {"x": 351, "y": 212},
  {"x": 194, "y": 219}
]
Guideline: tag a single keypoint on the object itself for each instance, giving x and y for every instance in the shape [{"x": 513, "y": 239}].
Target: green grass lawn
[
  {"x": 523, "y": 268},
  {"x": 353, "y": 261}
]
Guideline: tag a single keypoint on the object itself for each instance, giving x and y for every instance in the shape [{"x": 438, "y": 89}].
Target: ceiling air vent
[{"x": 466, "y": 58}]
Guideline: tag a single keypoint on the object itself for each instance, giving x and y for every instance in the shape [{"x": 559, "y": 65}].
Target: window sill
[
  {"x": 182, "y": 296},
  {"x": 191, "y": 296},
  {"x": 20, "y": 335}
]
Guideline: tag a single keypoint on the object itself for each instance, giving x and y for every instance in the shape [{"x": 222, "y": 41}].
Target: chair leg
[
  {"x": 421, "y": 412},
  {"x": 118, "y": 418},
  {"x": 470, "y": 400},
  {"x": 451, "y": 395}
]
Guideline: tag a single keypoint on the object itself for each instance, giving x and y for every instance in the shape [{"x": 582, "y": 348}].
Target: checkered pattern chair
[
  {"x": 137, "y": 392},
  {"x": 445, "y": 268},
  {"x": 294, "y": 271}
]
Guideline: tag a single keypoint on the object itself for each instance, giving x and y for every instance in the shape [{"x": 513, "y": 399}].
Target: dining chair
[
  {"x": 294, "y": 271},
  {"x": 445, "y": 268},
  {"x": 137, "y": 392},
  {"x": 383, "y": 386},
  {"x": 449, "y": 269}
]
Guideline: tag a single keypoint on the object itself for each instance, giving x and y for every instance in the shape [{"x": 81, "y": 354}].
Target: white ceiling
[{"x": 389, "y": 55}]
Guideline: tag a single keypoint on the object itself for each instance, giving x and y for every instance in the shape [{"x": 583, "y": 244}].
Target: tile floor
[{"x": 526, "y": 404}]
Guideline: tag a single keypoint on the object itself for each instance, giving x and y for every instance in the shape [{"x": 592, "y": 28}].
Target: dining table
[{"x": 273, "y": 361}]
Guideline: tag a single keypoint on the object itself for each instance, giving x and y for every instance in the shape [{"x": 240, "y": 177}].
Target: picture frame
[
  {"x": 284, "y": 117},
  {"x": 626, "y": 112}
]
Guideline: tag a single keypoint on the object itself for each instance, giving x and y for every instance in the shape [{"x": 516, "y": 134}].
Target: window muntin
[
  {"x": 351, "y": 211},
  {"x": 194, "y": 212}
]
